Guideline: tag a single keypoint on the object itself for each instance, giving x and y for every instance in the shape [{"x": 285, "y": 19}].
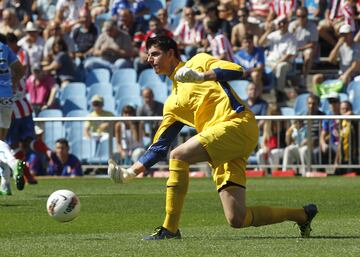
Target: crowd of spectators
[{"x": 63, "y": 40}]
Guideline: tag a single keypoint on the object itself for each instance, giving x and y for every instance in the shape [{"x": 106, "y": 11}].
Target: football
[{"x": 63, "y": 205}]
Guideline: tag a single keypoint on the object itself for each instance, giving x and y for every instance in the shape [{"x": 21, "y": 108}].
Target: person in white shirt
[
  {"x": 282, "y": 52},
  {"x": 307, "y": 36}
]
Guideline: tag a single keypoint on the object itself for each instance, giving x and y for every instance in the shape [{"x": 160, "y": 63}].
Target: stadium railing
[{"x": 326, "y": 167}]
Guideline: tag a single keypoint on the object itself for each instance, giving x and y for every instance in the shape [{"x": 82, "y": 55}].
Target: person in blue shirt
[
  {"x": 63, "y": 163},
  {"x": 256, "y": 104},
  {"x": 252, "y": 59}
]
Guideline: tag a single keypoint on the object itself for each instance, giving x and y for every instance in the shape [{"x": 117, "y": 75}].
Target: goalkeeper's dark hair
[{"x": 165, "y": 43}]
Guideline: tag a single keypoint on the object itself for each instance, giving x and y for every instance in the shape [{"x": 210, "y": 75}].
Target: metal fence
[{"x": 71, "y": 128}]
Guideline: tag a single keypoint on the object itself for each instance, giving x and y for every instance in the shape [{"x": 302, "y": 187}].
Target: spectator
[
  {"x": 219, "y": 44},
  {"x": 67, "y": 13},
  {"x": 256, "y": 104},
  {"x": 97, "y": 7},
  {"x": 212, "y": 14},
  {"x": 45, "y": 11},
  {"x": 40, "y": 148},
  {"x": 316, "y": 9},
  {"x": 32, "y": 43},
  {"x": 273, "y": 140},
  {"x": 62, "y": 64},
  {"x": 282, "y": 51},
  {"x": 10, "y": 23},
  {"x": 41, "y": 88},
  {"x": 128, "y": 140},
  {"x": 252, "y": 59},
  {"x": 63, "y": 163},
  {"x": 280, "y": 9},
  {"x": 138, "y": 8},
  {"x": 162, "y": 15},
  {"x": 337, "y": 14},
  {"x": 259, "y": 9},
  {"x": 189, "y": 33},
  {"x": 34, "y": 164},
  {"x": 151, "y": 107},
  {"x": 98, "y": 129},
  {"x": 155, "y": 28},
  {"x": 240, "y": 30},
  {"x": 296, "y": 150},
  {"x": 329, "y": 136},
  {"x": 307, "y": 36},
  {"x": 54, "y": 31},
  {"x": 312, "y": 142},
  {"x": 136, "y": 28},
  {"x": 22, "y": 10},
  {"x": 113, "y": 49},
  {"x": 347, "y": 53},
  {"x": 85, "y": 35},
  {"x": 348, "y": 148},
  {"x": 227, "y": 12}
]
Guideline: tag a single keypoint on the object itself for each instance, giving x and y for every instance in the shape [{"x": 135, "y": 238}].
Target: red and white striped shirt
[
  {"x": 189, "y": 35},
  {"x": 260, "y": 7},
  {"x": 335, "y": 9},
  {"x": 21, "y": 106},
  {"x": 349, "y": 13},
  {"x": 220, "y": 45},
  {"x": 283, "y": 7}
]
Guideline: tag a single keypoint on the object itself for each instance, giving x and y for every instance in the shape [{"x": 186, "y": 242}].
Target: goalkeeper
[{"x": 227, "y": 135}]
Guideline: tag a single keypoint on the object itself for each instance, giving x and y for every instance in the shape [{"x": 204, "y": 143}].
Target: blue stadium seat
[
  {"x": 103, "y": 89},
  {"x": 134, "y": 101},
  {"x": 53, "y": 130},
  {"x": 351, "y": 87},
  {"x": 240, "y": 87},
  {"x": 71, "y": 89},
  {"x": 147, "y": 77},
  {"x": 125, "y": 90},
  {"x": 102, "y": 155},
  {"x": 74, "y": 103},
  {"x": 97, "y": 75},
  {"x": 50, "y": 113},
  {"x": 84, "y": 149},
  {"x": 123, "y": 76},
  {"x": 109, "y": 104},
  {"x": 287, "y": 111},
  {"x": 75, "y": 129},
  {"x": 300, "y": 105}
]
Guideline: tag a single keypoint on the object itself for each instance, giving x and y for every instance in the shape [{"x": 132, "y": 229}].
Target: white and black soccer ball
[{"x": 63, "y": 205}]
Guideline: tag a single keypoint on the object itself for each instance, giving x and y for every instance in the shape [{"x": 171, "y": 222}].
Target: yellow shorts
[{"x": 229, "y": 145}]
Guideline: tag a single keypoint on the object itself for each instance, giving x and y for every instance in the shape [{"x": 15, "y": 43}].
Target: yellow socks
[
  {"x": 264, "y": 215},
  {"x": 177, "y": 186}
]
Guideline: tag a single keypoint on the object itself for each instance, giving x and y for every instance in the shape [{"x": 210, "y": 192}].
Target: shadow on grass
[{"x": 339, "y": 237}]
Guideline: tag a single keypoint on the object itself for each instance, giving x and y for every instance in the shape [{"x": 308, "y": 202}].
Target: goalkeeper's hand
[{"x": 185, "y": 74}]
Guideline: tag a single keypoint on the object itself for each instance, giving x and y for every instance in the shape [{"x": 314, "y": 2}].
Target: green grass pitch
[{"x": 113, "y": 219}]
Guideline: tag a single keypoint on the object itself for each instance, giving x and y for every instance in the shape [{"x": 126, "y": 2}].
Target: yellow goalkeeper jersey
[{"x": 199, "y": 105}]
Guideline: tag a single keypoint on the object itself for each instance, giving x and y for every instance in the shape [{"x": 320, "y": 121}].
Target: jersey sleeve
[
  {"x": 224, "y": 70},
  {"x": 165, "y": 135}
]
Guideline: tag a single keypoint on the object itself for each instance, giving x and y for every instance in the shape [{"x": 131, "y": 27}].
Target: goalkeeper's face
[{"x": 160, "y": 60}]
